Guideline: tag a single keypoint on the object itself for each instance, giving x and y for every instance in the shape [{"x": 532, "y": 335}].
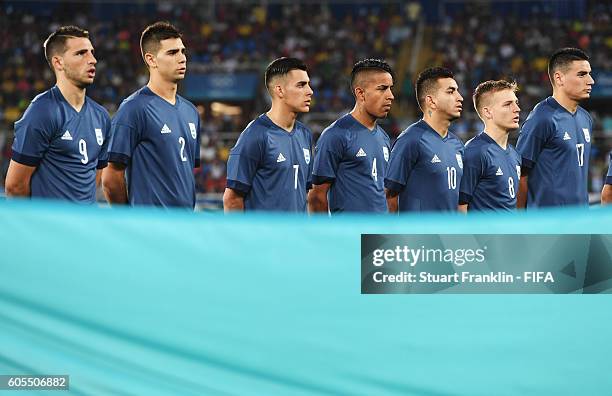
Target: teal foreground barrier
[{"x": 147, "y": 302}]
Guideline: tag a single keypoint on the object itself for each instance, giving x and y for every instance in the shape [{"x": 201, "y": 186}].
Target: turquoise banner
[{"x": 150, "y": 302}]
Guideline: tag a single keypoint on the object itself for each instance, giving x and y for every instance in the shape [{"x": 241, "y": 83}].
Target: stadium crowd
[{"x": 474, "y": 43}]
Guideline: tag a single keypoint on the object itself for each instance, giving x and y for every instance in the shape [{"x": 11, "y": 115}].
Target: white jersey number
[
  {"x": 374, "y": 170},
  {"x": 182, "y": 143},
  {"x": 83, "y": 151},
  {"x": 451, "y": 175},
  {"x": 511, "y": 187},
  {"x": 295, "y": 176},
  {"x": 580, "y": 152}
]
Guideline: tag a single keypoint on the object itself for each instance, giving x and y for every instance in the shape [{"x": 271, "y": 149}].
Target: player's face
[
  {"x": 297, "y": 93},
  {"x": 505, "y": 110},
  {"x": 171, "y": 60},
  {"x": 577, "y": 81},
  {"x": 78, "y": 62},
  {"x": 377, "y": 94},
  {"x": 447, "y": 99}
]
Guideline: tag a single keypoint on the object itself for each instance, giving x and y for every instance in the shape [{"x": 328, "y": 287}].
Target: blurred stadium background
[{"x": 231, "y": 42}]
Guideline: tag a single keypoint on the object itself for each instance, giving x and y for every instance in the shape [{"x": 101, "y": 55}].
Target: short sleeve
[
  {"x": 328, "y": 154},
  {"x": 125, "y": 134},
  {"x": 403, "y": 158},
  {"x": 534, "y": 134},
  {"x": 244, "y": 160},
  {"x": 473, "y": 170},
  {"x": 33, "y": 134}
]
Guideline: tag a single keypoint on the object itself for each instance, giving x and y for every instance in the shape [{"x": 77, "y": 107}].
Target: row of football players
[
  {"x": 64, "y": 141},
  {"x": 355, "y": 169}
]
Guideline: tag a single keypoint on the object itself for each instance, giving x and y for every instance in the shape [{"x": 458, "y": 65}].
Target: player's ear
[
  {"x": 150, "y": 60},
  {"x": 57, "y": 62},
  {"x": 486, "y": 112},
  {"x": 430, "y": 102},
  {"x": 359, "y": 94},
  {"x": 278, "y": 91},
  {"x": 558, "y": 78}
]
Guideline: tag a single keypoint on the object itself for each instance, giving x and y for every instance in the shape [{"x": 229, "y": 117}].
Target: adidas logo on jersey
[
  {"x": 499, "y": 172},
  {"x": 280, "y": 158},
  {"x": 66, "y": 136},
  {"x": 165, "y": 129},
  {"x": 435, "y": 159},
  {"x": 361, "y": 153},
  {"x": 566, "y": 136}
]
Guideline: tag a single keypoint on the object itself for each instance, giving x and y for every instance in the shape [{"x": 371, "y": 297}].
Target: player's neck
[
  {"x": 75, "y": 96},
  {"x": 565, "y": 102},
  {"x": 363, "y": 117},
  {"x": 282, "y": 118},
  {"x": 164, "y": 89},
  {"x": 437, "y": 123},
  {"x": 498, "y": 134}
]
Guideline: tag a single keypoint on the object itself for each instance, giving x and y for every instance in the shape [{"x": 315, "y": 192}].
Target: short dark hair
[
  {"x": 490, "y": 87},
  {"x": 151, "y": 37},
  {"x": 281, "y": 67},
  {"x": 56, "y": 42},
  {"x": 426, "y": 82},
  {"x": 366, "y": 65},
  {"x": 561, "y": 59}
]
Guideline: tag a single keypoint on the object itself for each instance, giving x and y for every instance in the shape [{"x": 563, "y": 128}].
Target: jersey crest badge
[
  {"x": 306, "y": 156},
  {"x": 587, "y": 135},
  {"x": 459, "y": 160},
  {"x": 99, "y": 137},
  {"x": 192, "y": 129},
  {"x": 386, "y": 153}
]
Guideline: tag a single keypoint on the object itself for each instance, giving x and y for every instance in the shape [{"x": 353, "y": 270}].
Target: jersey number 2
[{"x": 182, "y": 143}]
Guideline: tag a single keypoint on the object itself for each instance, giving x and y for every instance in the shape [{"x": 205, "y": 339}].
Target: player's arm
[
  {"x": 606, "y": 194},
  {"x": 392, "y": 200},
  {"x": 98, "y": 178},
  {"x": 521, "y": 196},
  {"x": 17, "y": 182},
  {"x": 317, "y": 198},
  {"x": 462, "y": 208},
  {"x": 113, "y": 183},
  {"x": 233, "y": 201}
]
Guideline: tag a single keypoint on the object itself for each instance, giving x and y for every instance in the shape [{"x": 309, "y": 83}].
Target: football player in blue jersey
[
  {"x": 351, "y": 155},
  {"x": 606, "y": 191},
  {"x": 270, "y": 166},
  {"x": 426, "y": 162},
  {"x": 61, "y": 140},
  {"x": 155, "y": 133},
  {"x": 555, "y": 140},
  {"x": 491, "y": 166}
]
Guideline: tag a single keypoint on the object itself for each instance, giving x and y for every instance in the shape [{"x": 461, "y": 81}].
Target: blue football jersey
[
  {"x": 425, "y": 169},
  {"x": 354, "y": 160},
  {"x": 609, "y": 175},
  {"x": 555, "y": 146},
  {"x": 271, "y": 167},
  {"x": 160, "y": 144},
  {"x": 490, "y": 175},
  {"x": 65, "y": 146}
]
